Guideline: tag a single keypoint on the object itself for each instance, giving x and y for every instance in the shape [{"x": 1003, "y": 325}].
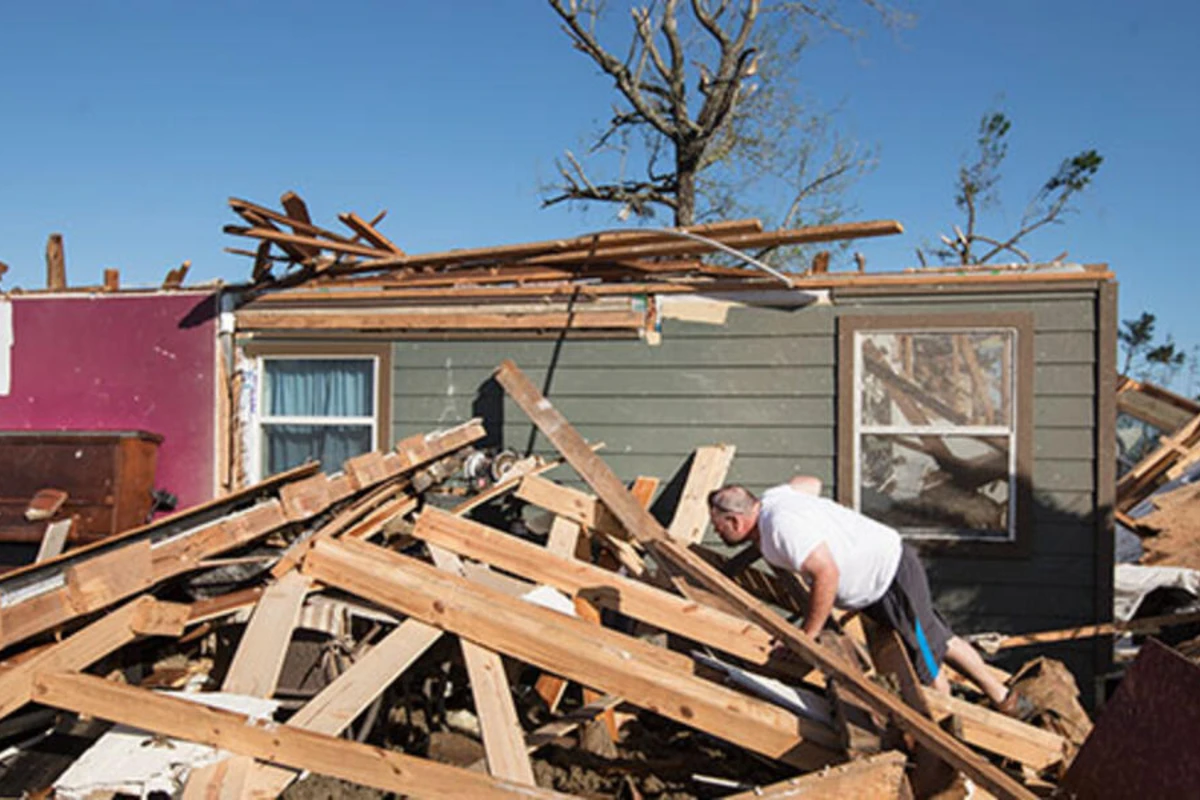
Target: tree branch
[{"x": 585, "y": 41}]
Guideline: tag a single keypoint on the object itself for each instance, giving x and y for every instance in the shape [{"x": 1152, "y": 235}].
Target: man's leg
[{"x": 966, "y": 659}]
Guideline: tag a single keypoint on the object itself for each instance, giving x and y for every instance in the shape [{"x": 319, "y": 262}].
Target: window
[
  {"x": 937, "y": 426},
  {"x": 323, "y": 406}
]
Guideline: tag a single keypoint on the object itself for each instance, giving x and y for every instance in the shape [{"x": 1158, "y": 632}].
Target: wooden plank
[
  {"x": 54, "y": 539},
  {"x": 222, "y": 780},
  {"x": 100, "y": 581},
  {"x": 229, "y": 501},
  {"x": 56, "y": 263},
  {"x": 646, "y": 529},
  {"x": 992, "y": 731},
  {"x": 568, "y": 247},
  {"x": 573, "y": 447},
  {"x": 609, "y": 661},
  {"x": 877, "y": 777},
  {"x": 257, "y": 211},
  {"x": 563, "y": 538},
  {"x": 416, "y": 450},
  {"x": 264, "y": 644},
  {"x": 160, "y": 618},
  {"x": 930, "y": 774},
  {"x": 503, "y": 739},
  {"x": 402, "y": 319},
  {"x": 604, "y": 588},
  {"x": 572, "y": 504},
  {"x": 741, "y": 241},
  {"x": 109, "y": 633},
  {"x": 710, "y": 465},
  {"x": 306, "y": 498},
  {"x": 340, "y": 703},
  {"x": 368, "y": 232},
  {"x": 281, "y": 744},
  {"x": 297, "y": 241},
  {"x": 367, "y": 469}
]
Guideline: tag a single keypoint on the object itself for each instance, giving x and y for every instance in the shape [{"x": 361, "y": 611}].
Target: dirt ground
[{"x": 654, "y": 759}]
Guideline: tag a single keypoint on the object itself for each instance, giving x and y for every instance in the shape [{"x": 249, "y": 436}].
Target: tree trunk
[{"x": 686, "y": 165}]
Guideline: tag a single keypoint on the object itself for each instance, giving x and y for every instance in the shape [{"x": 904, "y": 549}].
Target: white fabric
[
  {"x": 791, "y": 524},
  {"x": 1132, "y": 582}
]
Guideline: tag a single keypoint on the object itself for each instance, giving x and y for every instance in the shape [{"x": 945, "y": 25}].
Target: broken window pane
[
  {"x": 937, "y": 485},
  {"x": 937, "y": 430},
  {"x": 936, "y": 378}
]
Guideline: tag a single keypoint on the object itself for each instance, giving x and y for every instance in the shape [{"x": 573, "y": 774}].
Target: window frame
[
  {"x": 849, "y": 435},
  {"x": 261, "y": 352}
]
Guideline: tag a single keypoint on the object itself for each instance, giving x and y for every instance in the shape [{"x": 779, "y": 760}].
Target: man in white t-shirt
[{"x": 853, "y": 562}]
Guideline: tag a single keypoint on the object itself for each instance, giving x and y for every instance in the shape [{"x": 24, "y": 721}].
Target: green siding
[{"x": 766, "y": 381}]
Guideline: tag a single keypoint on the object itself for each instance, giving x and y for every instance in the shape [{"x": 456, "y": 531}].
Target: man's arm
[{"x": 823, "y": 574}]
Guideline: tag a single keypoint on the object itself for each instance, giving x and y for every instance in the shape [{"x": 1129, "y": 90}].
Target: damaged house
[
  {"x": 973, "y": 409},
  {"x": 970, "y": 408}
]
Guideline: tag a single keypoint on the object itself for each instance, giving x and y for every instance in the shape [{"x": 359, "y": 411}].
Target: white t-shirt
[{"x": 791, "y": 524}]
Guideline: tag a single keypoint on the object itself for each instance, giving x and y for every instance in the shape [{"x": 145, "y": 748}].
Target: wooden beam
[
  {"x": 604, "y": 659},
  {"x": 571, "y": 248},
  {"x": 710, "y": 465},
  {"x": 573, "y": 447},
  {"x": 56, "y": 263},
  {"x": 402, "y": 319},
  {"x": 262, "y": 212},
  {"x": 740, "y": 241},
  {"x": 109, "y": 633},
  {"x": 563, "y": 538},
  {"x": 646, "y": 529},
  {"x": 368, "y": 232},
  {"x": 297, "y": 241},
  {"x": 264, "y": 643},
  {"x": 101, "y": 581},
  {"x": 992, "y": 731},
  {"x": 503, "y": 739},
  {"x": 606, "y": 589},
  {"x": 340, "y": 703},
  {"x": 281, "y": 744},
  {"x": 570, "y": 504},
  {"x": 878, "y": 777},
  {"x": 930, "y": 775},
  {"x": 421, "y": 448}
]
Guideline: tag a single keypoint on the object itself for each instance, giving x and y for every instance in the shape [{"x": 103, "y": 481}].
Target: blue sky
[{"x": 125, "y": 126}]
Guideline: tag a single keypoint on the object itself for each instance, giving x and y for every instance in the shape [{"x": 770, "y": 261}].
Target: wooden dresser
[{"x": 108, "y": 475}]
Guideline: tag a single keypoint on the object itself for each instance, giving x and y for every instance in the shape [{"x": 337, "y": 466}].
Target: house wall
[
  {"x": 103, "y": 362},
  {"x": 766, "y": 381}
]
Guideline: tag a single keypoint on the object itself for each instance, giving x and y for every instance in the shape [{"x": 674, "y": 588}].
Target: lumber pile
[
  {"x": 1156, "y": 496},
  {"x": 378, "y": 626},
  {"x": 293, "y": 252}
]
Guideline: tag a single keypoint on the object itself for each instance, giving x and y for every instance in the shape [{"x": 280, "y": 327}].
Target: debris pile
[{"x": 460, "y": 647}]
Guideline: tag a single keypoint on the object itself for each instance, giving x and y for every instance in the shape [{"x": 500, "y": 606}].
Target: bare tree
[
  {"x": 707, "y": 100},
  {"x": 976, "y": 192}
]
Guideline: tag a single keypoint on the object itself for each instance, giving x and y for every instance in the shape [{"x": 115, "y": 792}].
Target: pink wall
[{"x": 103, "y": 362}]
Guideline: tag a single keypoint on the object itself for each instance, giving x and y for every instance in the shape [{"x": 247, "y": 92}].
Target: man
[{"x": 854, "y": 562}]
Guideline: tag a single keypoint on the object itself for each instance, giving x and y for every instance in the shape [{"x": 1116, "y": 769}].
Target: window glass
[{"x": 936, "y": 431}]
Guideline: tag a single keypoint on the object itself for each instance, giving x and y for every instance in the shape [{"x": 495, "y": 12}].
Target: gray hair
[{"x": 731, "y": 499}]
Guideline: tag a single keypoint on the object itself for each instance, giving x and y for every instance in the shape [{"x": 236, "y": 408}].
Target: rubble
[{"x": 435, "y": 630}]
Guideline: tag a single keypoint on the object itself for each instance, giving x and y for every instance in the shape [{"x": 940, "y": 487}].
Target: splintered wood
[{"x": 626, "y": 631}]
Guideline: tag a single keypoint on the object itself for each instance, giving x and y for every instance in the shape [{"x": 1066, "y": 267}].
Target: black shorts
[{"x": 906, "y": 608}]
